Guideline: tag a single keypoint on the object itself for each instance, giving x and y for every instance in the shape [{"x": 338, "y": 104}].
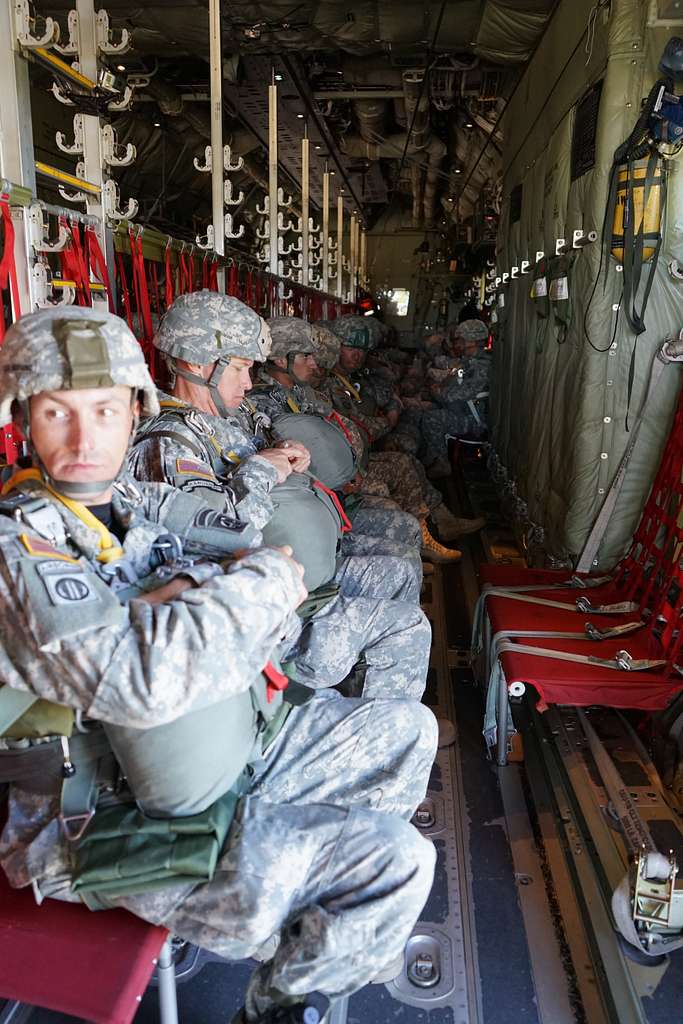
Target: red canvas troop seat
[
  {"x": 649, "y": 577},
  {"x": 66, "y": 958}
]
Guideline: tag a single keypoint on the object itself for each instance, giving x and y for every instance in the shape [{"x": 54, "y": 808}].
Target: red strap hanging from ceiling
[
  {"x": 10, "y": 437},
  {"x": 205, "y": 271},
  {"x": 140, "y": 287},
  {"x": 125, "y": 294},
  {"x": 168, "y": 279},
  {"x": 8, "y": 268},
  {"x": 213, "y": 276},
  {"x": 233, "y": 280},
  {"x": 97, "y": 264},
  {"x": 155, "y": 287},
  {"x": 72, "y": 263}
]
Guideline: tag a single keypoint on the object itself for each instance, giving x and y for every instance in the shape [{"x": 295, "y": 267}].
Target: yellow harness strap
[
  {"x": 293, "y": 405},
  {"x": 175, "y": 403},
  {"x": 347, "y": 384},
  {"x": 110, "y": 551}
]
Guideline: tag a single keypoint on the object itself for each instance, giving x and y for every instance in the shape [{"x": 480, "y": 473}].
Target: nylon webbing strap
[
  {"x": 174, "y": 435},
  {"x": 509, "y": 634},
  {"x": 638, "y": 838},
  {"x": 594, "y": 539},
  {"x": 622, "y": 662},
  {"x": 38, "y": 767}
]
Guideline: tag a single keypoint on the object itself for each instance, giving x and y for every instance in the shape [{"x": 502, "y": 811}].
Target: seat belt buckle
[{"x": 276, "y": 681}]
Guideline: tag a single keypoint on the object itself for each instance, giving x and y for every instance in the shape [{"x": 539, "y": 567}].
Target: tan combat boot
[
  {"x": 435, "y": 552},
  {"x": 450, "y": 526}
]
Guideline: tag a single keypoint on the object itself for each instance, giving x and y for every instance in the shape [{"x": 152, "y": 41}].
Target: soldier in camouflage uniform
[
  {"x": 322, "y": 852},
  {"x": 207, "y": 445},
  {"x": 393, "y": 473},
  {"x": 458, "y": 388},
  {"x": 283, "y": 386}
]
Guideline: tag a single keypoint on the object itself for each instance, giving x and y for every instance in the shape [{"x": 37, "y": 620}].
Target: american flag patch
[
  {"x": 39, "y": 548},
  {"x": 187, "y": 467}
]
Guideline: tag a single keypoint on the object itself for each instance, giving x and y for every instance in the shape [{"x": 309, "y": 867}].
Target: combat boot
[
  {"x": 435, "y": 552},
  {"x": 312, "y": 1011},
  {"x": 451, "y": 526}
]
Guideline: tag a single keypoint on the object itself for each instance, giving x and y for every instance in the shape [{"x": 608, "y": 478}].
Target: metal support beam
[
  {"x": 16, "y": 143},
  {"x": 340, "y": 246},
  {"x": 326, "y": 230},
  {"x": 272, "y": 175},
  {"x": 92, "y": 139},
  {"x": 353, "y": 224},
  {"x": 216, "y": 86},
  {"x": 16, "y": 136},
  {"x": 304, "y": 209},
  {"x": 363, "y": 259}
]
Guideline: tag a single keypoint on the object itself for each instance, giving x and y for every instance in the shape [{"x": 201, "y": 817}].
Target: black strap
[
  {"x": 180, "y": 438},
  {"x": 39, "y": 767}
]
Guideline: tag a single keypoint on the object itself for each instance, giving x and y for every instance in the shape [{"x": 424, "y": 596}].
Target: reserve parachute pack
[
  {"x": 332, "y": 458},
  {"x": 308, "y": 519},
  {"x": 185, "y": 777}
]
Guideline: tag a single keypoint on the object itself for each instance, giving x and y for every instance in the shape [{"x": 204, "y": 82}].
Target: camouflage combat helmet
[
  {"x": 353, "y": 331},
  {"x": 326, "y": 346},
  {"x": 71, "y": 347},
  {"x": 291, "y": 336},
  {"x": 472, "y": 331},
  {"x": 207, "y": 328}
]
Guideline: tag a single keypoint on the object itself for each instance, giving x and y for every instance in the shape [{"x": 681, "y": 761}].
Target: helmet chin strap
[
  {"x": 291, "y": 356},
  {"x": 211, "y": 382}
]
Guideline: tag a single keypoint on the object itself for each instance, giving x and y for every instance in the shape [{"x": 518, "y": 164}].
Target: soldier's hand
[
  {"x": 278, "y": 457},
  {"x": 168, "y": 591},
  {"x": 287, "y": 552},
  {"x": 298, "y": 455}
]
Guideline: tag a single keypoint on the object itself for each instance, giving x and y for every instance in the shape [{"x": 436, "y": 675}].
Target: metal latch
[
  {"x": 653, "y": 897},
  {"x": 424, "y": 816},
  {"x": 423, "y": 971}
]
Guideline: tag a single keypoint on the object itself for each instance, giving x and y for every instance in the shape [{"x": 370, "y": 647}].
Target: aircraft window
[{"x": 399, "y": 300}]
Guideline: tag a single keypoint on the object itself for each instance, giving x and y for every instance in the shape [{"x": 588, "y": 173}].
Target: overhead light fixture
[
  {"x": 278, "y": 77},
  {"x": 157, "y": 124},
  {"x": 120, "y": 67},
  {"x": 300, "y": 116},
  {"x": 318, "y": 146},
  {"x": 469, "y": 124},
  {"x": 458, "y": 171},
  {"x": 333, "y": 172}
]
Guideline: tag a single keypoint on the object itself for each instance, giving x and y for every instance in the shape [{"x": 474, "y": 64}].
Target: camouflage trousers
[
  {"x": 392, "y": 637},
  {"x": 405, "y": 480},
  {"x": 321, "y": 853},
  {"x": 377, "y": 515},
  {"x": 425, "y": 432},
  {"x": 397, "y": 577}
]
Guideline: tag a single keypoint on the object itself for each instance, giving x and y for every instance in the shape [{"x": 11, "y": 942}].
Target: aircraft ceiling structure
[{"x": 400, "y": 100}]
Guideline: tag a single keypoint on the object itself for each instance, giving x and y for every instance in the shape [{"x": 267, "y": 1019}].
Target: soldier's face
[
  {"x": 351, "y": 358},
  {"x": 318, "y": 374},
  {"x": 83, "y": 436},
  {"x": 304, "y": 366},
  {"x": 235, "y": 381}
]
